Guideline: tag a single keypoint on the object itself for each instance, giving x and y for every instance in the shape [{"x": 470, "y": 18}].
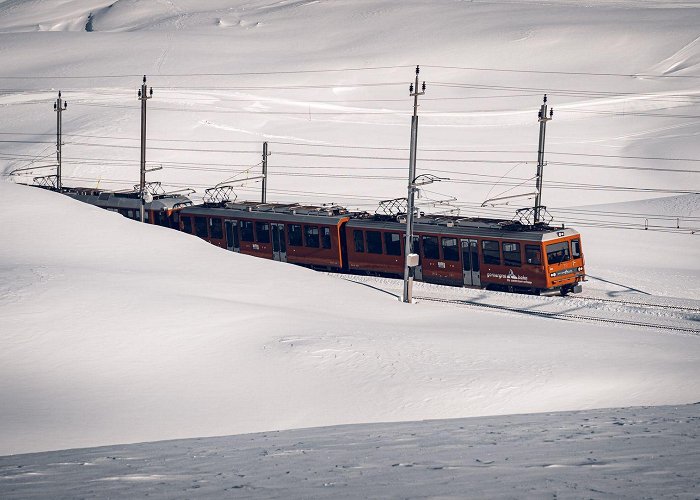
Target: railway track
[
  {"x": 563, "y": 316},
  {"x": 567, "y": 316},
  {"x": 640, "y": 304}
]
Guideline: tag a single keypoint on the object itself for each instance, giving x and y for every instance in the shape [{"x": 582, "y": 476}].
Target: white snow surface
[{"x": 115, "y": 332}]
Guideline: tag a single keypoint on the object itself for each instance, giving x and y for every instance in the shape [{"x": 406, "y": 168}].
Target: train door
[
  {"x": 418, "y": 270},
  {"x": 233, "y": 242},
  {"x": 470, "y": 263},
  {"x": 279, "y": 243}
]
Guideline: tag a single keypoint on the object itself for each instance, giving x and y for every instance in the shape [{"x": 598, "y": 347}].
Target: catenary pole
[
  {"x": 59, "y": 107},
  {"x": 408, "y": 270},
  {"x": 264, "y": 173},
  {"x": 143, "y": 97},
  {"x": 543, "y": 119}
]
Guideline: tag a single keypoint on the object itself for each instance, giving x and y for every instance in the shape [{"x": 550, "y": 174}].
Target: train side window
[
  {"x": 511, "y": 254},
  {"x": 246, "y": 230},
  {"x": 576, "y": 249},
  {"x": 187, "y": 225},
  {"x": 200, "y": 227},
  {"x": 359, "y": 239},
  {"x": 558, "y": 252},
  {"x": 146, "y": 217},
  {"x": 430, "y": 247},
  {"x": 311, "y": 236},
  {"x": 216, "y": 229},
  {"x": 392, "y": 241},
  {"x": 533, "y": 255},
  {"x": 374, "y": 242},
  {"x": 295, "y": 235},
  {"x": 449, "y": 249},
  {"x": 326, "y": 237},
  {"x": 492, "y": 254},
  {"x": 262, "y": 232}
]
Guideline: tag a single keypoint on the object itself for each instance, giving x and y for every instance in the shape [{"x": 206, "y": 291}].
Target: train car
[
  {"x": 460, "y": 251},
  {"x": 311, "y": 236},
  {"x": 163, "y": 210}
]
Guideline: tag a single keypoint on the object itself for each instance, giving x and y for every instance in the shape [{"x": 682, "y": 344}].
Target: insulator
[
  {"x": 144, "y": 78},
  {"x": 423, "y": 86},
  {"x": 151, "y": 93},
  {"x": 417, "y": 69},
  {"x": 410, "y": 88},
  {"x": 551, "y": 112},
  {"x": 545, "y": 97}
]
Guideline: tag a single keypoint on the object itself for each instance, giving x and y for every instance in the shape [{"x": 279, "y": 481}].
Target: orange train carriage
[{"x": 459, "y": 251}]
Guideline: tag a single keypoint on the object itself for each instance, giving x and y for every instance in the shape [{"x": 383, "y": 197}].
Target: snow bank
[{"x": 113, "y": 331}]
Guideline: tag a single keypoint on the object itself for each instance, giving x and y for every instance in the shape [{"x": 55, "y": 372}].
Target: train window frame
[
  {"x": 358, "y": 237},
  {"x": 247, "y": 231},
  {"x": 201, "y": 226},
  {"x": 508, "y": 255},
  {"x": 560, "y": 246},
  {"x": 392, "y": 242},
  {"x": 374, "y": 242},
  {"x": 311, "y": 236},
  {"x": 428, "y": 249},
  {"x": 450, "y": 252},
  {"x": 325, "y": 237},
  {"x": 262, "y": 228},
  {"x": 530, "y": 252},
  {"x": 488, "y": 254},
  {"x": 576, "y": 248},
  {"x": 216, "y": 228},
  {"x": 296, "y": 235},
  {"x": 186, "y": 224}
]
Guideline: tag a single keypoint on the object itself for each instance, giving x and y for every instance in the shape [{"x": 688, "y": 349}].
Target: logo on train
[{"x": 511, "y": 277}]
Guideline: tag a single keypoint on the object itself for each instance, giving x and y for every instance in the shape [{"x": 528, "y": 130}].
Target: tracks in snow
[{"x": 660, "y": 313}]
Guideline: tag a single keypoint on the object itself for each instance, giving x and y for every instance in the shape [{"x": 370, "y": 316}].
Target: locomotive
[{"x": 496, "y": 254}]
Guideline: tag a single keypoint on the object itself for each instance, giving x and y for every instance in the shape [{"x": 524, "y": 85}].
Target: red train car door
[
  {"x": 279, "y": 243},
  {"x": 470, "y": 263},
  {"x": 233, "y": 242}
]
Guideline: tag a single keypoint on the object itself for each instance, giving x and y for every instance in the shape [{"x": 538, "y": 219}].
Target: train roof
[
  {"x": 319, "y": 214},
  {"x": 126, "y": 200},
  {"x": 471, "y": 226}
]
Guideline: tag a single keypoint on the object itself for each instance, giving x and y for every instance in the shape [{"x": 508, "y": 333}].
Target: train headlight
[
  {"x": 552, "y": 275},
  {"x": 579, "y": 268}
]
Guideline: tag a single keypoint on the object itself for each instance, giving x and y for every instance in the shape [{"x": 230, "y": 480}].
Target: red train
[{"x": 461, "y": 251}]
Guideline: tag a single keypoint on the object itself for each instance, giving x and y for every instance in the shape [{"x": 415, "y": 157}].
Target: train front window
[
  {"x": 449, "y": 249},
  {"x": 558, "y": 252},
  {"x": 492, "y": 254},
  {"x": 533, "y": 255},
  {"x": 246, "y": 230},
  {"x": 359, "y": 239},
  {"x": 200, "y": 227},
  {"x": 576, "y": 249},
  {"x": 262, "y": 231},
  {"x": 392, "y": 241},
  {"x": 374, "y": 242},
  {"x": 295, "y": 235},
  {"x": 430, "y": 247},
  {"x": 511, "y": 254}
]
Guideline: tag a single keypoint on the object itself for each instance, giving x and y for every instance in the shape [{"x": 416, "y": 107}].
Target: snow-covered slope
[
  {"x": 111, "y": 331},
  {"x": 114, "y": 331}
]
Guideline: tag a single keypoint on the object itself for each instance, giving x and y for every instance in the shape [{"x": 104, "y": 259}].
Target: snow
[
  {"x": 612, "y": 453},
  {"x": 114, "y": 332}
]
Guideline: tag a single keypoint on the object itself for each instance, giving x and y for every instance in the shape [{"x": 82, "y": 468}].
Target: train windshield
[{"x": 558, "y": 252}]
